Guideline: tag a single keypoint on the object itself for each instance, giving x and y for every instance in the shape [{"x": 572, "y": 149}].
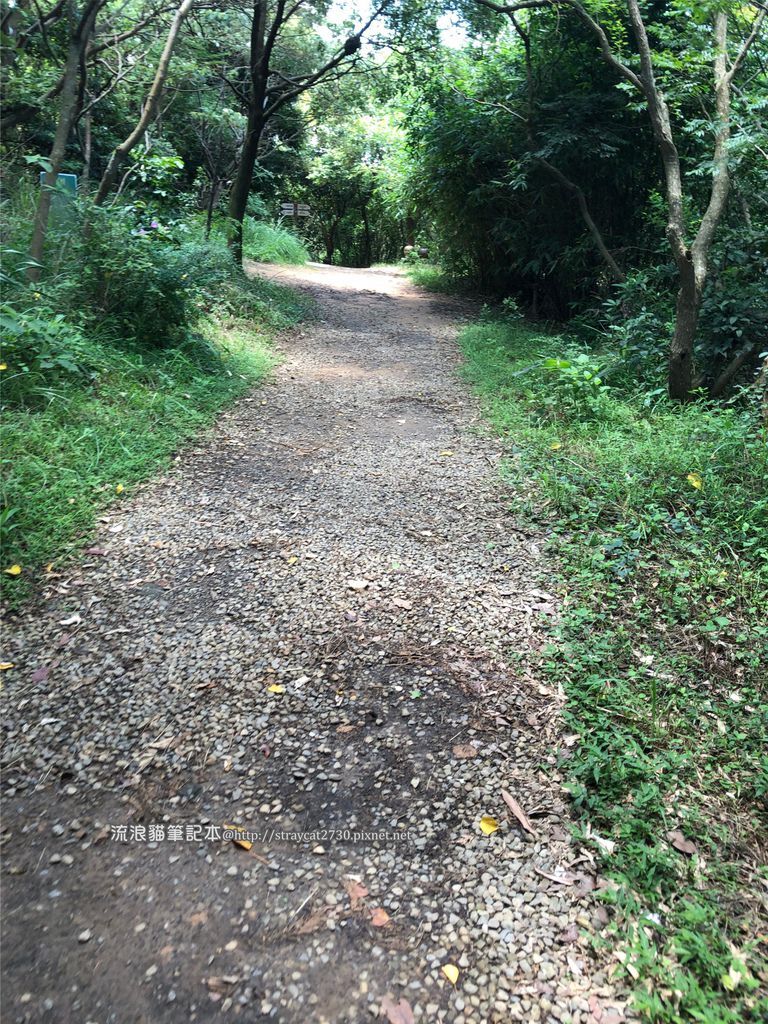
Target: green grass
[
  {"x": 434, "y": 278},
  {"x": 660, "y": 517},
  {"x": 75, "y": 443},
  {"x": 267, "y": 243}
]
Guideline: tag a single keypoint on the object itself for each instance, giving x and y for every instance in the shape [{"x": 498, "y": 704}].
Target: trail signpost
[{"x": 295, "y": 210}]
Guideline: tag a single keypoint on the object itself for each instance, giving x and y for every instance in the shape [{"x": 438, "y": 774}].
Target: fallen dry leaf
[
  {"x": 680, "y": 843},
  {"x": 379, "y": 917},
  {"x": 586, "y": 883},
  {"x": 464, "y": 750},
  {"x": 518, "y": 811},
  {"x": 356, "y": 892},
  {"x": 606, "y": 845},
  {"x": 345, "y": 728},
  {"x": 73, "y": 620},
  {"x": 276, "y": 688},
  {"x": 400, "y": 602},
  {"x": 396, "y": 1013},
  {"x": 244, "y": 844},
  {"x": 569, "y": 934},
  {"x": 564, "y": 878},
  {"x": 488, "y": 825},
  {"x": 451, "y": 971},
  {"x": 13, "y": 570},
  {"x": 164, "y": 743},
  {"x": 357, "y": 584},
  {"x": 223, "y": 983},
  {"x": 198, "y": 918},
  {"x": 5, "y": 665},
  {"x": 317, "y": 919}
]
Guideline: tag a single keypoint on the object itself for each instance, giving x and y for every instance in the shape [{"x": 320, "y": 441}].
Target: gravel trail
[{"x": 321, "y": 626}]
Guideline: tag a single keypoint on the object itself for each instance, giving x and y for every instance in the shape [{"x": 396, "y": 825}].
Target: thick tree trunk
[
  {"x": 150, "y": 107},
  {"x": 241, "y": 187},
  {"x": 259, "y": 74},
  {"x": 80, "y": 33}
]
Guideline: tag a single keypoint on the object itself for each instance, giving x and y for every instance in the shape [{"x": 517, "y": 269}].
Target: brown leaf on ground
[
  {"x": 379, "y": 918},
  {"x": 312, "y": 922},
  {"x": 518, "y": 812},
  {"x": 400, "y": 602},
  {"x": 569, "y": 934},
  {"x": 464, "y": 750},
  {"x": 396, "y": 1013},
  {"x": 586, "y": 883},
  {"x": 356, "y": 892},
  {"x": 164, "y": 743},
  {"x": 680, "y": 843}
]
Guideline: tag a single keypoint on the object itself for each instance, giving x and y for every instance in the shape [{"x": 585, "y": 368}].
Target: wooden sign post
[{"x": 295, "y": 210}]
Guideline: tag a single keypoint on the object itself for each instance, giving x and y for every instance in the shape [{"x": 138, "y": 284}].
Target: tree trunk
[
  {"x": 259, "y": 74},
  {"x": 150, "y": 107},
  {"x": 241, "y": 187},
  {"x": 680, "y": 360},
  {"x": 727, "y": 376},
  {"x": 87, "y": 152},
  {"x": 213, "y": 198},
  {"x": 80, "y": 33},
  {"x": 330, "y": 243},
  {"x": 367, "y": 247}
]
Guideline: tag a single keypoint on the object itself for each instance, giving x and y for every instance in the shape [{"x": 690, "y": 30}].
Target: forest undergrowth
[{"x": 659, "y": 524}]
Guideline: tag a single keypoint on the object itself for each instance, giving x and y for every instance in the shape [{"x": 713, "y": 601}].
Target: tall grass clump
[{"x": 272, "y": 243}]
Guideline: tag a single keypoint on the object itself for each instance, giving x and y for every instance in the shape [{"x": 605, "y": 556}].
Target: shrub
[
  {"x": 139, "y": 283},
  {"x": 269, "y": 243}
]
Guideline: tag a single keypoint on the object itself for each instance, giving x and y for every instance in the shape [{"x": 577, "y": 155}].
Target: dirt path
[{"x": 306, "y": 627}]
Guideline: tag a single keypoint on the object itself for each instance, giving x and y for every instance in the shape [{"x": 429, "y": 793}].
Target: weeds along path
[{"x": 307, "y": 627}]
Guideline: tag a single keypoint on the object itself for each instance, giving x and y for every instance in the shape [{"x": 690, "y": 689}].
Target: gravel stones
[{"x": 292, "y": 632}]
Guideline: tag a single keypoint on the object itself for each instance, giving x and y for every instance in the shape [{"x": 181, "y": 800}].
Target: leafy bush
[
  {"x": 576, "y": 389},
  {"x": 39, "y": 349},
  {"x": 140, "y": 285},
  {"x": 269, "y": 243}
]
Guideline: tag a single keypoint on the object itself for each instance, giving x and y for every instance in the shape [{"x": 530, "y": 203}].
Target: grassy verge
[
  {"x": 81, "y": 444},
  {"x": 436, "y": 279},
  {"x": 660, "y": 518}
]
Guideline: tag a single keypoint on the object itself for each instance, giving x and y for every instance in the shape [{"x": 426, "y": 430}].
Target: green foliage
[
  {"x": 433, "y": 278},
  {"x": 660, "y": 516},
  {"x": 270, "y": 243},
  {"x": 130, "y": 346},
  {"x": 62, "y": 462}
]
